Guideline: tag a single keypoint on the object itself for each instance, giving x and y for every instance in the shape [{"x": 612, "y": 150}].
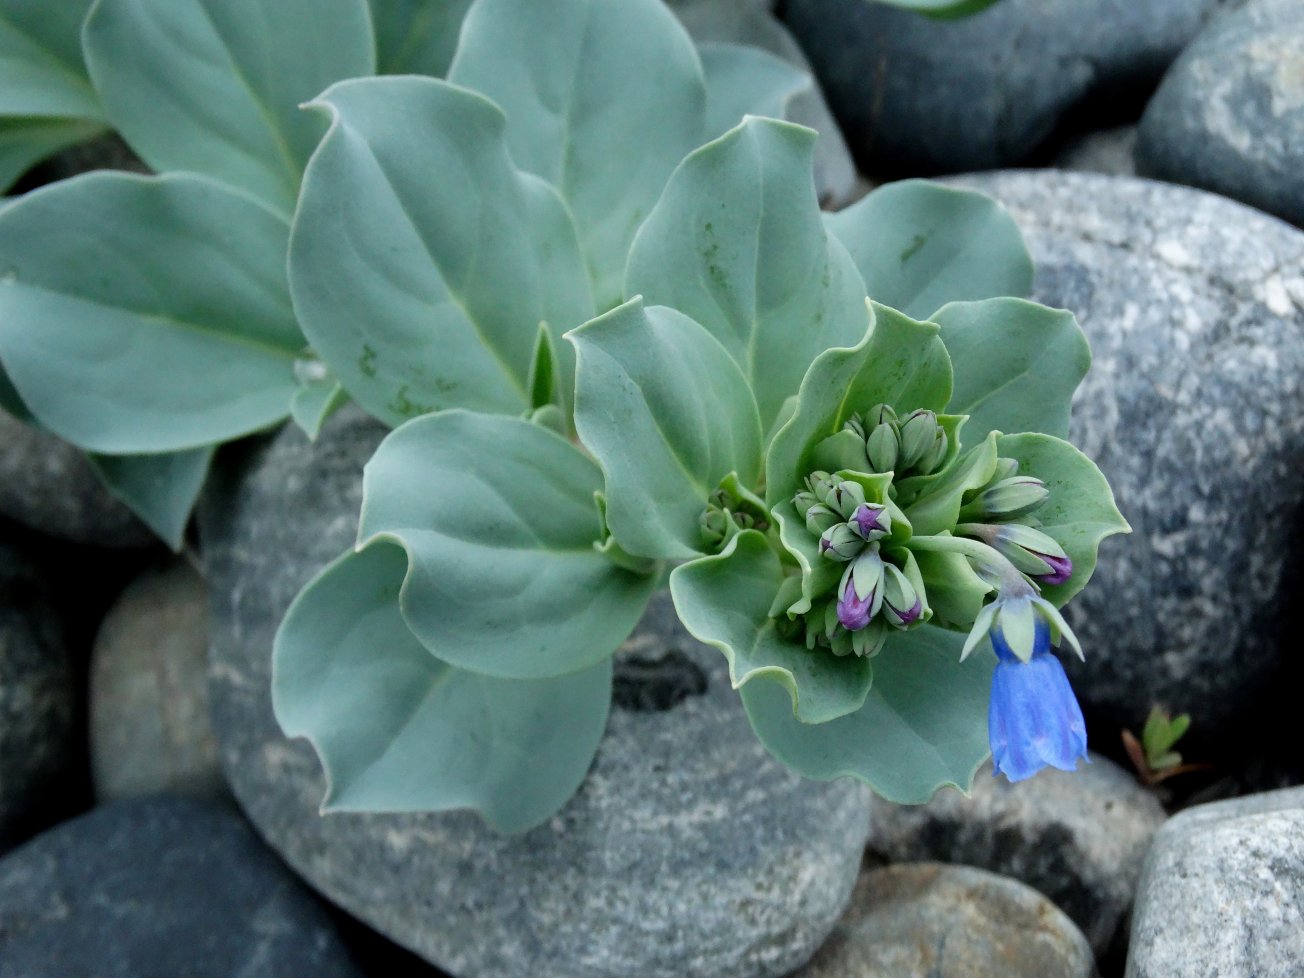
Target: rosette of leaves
[
  {"x": 513, "y": 530},
  {"x": 147, "y": 319},
  {"x": 154, "y": 319}
]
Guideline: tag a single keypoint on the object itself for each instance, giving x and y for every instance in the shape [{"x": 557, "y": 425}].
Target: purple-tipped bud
[
  {"x": 853, "y": 610},
  {"x": 1033, "y": 552},
  {"x": 1061, "y": 569},
  {"x": 902, "y": 603},
  {"x": 841, "y": 542},
  {"x": 871, "y": 521}
]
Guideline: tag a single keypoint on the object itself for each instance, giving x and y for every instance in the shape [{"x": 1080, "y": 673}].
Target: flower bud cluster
[
  {"x": 873, "y": 593},
  {"x": 907, "y": 446},
  {"x": 727, "y": 514}
]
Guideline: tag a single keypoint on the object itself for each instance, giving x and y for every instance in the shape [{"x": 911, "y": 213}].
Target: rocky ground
[{"x": 154, "y": 820}]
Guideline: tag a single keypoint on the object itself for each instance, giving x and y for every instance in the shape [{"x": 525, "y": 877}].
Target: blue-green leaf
[
  {"x": 314, "y": 402},
  {"x": 736, "y": 242},
  {"x": 1080, "y": 512},
  {"x": 1016, "y": 363},
  {"x": 743, "y": 80},
  {"x": 146, "y": 314},
  {"x": 923, "y": 725},
  {"x": 422, "y": 260},
  {"x": 160, "y": 489},
  {"x": 920, "y": 245},
  {"x": 214, "y": 86},
  {"x": 898, "y": 362},
  {"x": 498, "y": 518},
  {"x": 668, "y": 415},
  {"x": 41, "y": 62},
  {"x": 725, "y": 602},
  {"x": 416, "y": 37},
  {"x": 602, "y": 99},
  {"x": 398, "y": 730}
]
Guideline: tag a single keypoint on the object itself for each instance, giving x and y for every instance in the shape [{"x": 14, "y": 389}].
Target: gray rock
[
  {"x": 1077, "y": 837},
  {"x": 150, "y": 732},
  {"x": 1194, "y": 409},
  {"x": 915, "y": 94},
  {"x": 1222, "y": 892},
  {"x": 48, "y": 486},
  {"x": 38, "y": 703},
  {"x": 1229, "y": 116},
  {"x": 925, "y": 920},
  {"x": 159, "y": 889},
  {"x": 687, "y": 852},
  {"x": 1106, "y": 151}
]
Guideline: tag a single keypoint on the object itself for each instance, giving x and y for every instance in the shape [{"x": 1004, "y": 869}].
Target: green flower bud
[
  {"x": 855, "y": 425},
  {"x": 879, "y": 414},
  {"x": 1033, "y": 552},
  {"x": 883, "y": 447},
  {"x": 933, "y": 462},
  {"x": 841, "y": 542},
  {"x": 869, "y": 640},
  {"x": 842, "y": 497},
  {"x": 918, "y": 439},
  {"x": 804, "y": 500},
  {"x": 1008, "y": 499},
  {"x": 714, "y": 524},
  {"x": 820, "y": 518}
]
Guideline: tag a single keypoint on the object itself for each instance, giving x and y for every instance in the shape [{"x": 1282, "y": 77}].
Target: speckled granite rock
[
  {"x": 150, "y": 732},
  {"x": 686, "y": 853},
  {"x": 1230, "y": 114},
  {"x": 48, "y": 486},
  {"x": 38, "y": 702},
  {"x": 1194, "y": 409},
  {"x": 159, "y": 889},
  {"x": 1222, "y": 892},
  {"x": 926, "y": 920},
  {"x": 1106, "y": 151},
  {"x": 1079, "y": 838},
  {"x": 916, "y": 95}
]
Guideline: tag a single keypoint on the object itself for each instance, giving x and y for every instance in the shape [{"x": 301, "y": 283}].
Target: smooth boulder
[
  {"x": 1222, "y": 892},
  {"x": 1229, "y": 115},
  {"x": 1194, "y": 409}
]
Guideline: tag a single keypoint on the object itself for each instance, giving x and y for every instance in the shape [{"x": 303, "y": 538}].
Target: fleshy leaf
[
  {"x": 416, "y": 37},
  {"x": 121, "y": 295},
  {"x": 725, "y": 602},
  {"x": 214, "y": 86},
  {"x": 1017, "y": 365},
  {"x": 160, "y": 489},
  {"x": 668, "y": 415},
  {"x": 603, "y": 111},
  {"x": 25, "y": 142},
  {"x": 422, "y": 261},
  {"x": 41, "y": 60},
  {"x": 314, "y": 402},
  {"x": 498, "y": 520},
  {"x": 898, "y": 362},
  {"x": 736, "y": 242},
  {"x": 742, "y": 81},
  {"x": 923, "y": 725},
  {"x": 955, "y": 593},
  {"x": 1080, "y": 512},
  {"x": 920, "y": 245},
  {"x": 937, "y": 508},
  {"x": 397, "y": 730}
]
